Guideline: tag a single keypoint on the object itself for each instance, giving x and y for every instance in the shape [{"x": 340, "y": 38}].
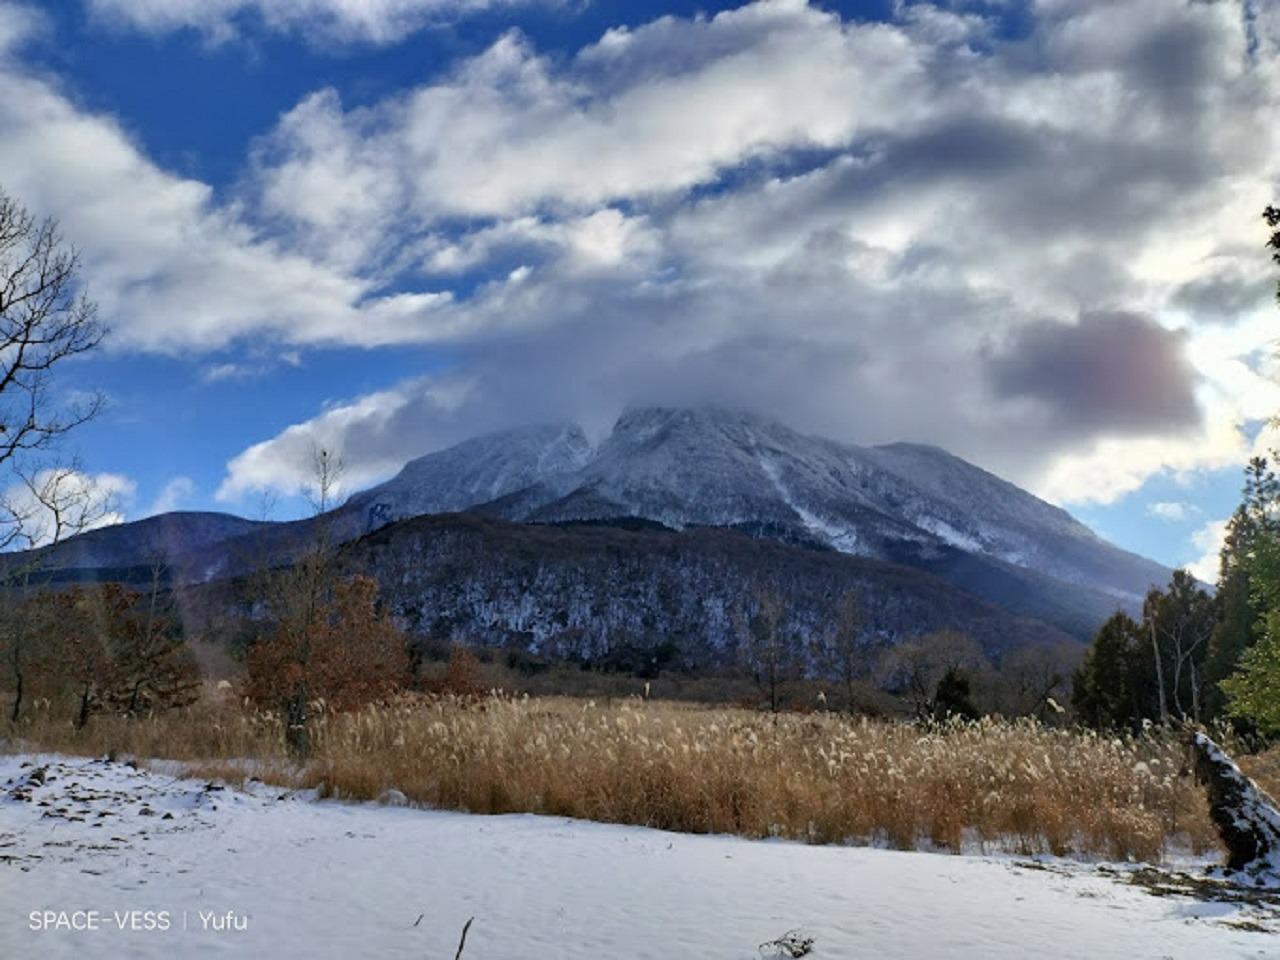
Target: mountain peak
[
  {"x": 475, "y": 471},
  {"x": 710, "y": 465}
]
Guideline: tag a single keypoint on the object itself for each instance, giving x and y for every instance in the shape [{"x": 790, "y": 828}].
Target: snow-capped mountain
[
  {"x": 712, "y": 467},
  {"x": 888, "y": 507},
  {"x": 475, "y": 471}
]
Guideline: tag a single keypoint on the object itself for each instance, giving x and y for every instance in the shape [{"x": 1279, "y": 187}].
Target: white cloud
[
  {"x": 847, "y": 224},
  {"x": 329, "y": 21},
  {"x": 171, "y": 267},
  {"x": 176, "y": 492},
  {"x": 867, "y": 295},
  {"x": 1208, "y": 540},
  {"x": 1109, "y": 468},
  {"x": 643, "y": 112},
  {"x": 18, "y": 23},
  {"x": 1172, "y": 511},
  {"x": 86, "y": 502},
  {"x": 361, "y": 434},
  {"x": 225, "y": 371}
]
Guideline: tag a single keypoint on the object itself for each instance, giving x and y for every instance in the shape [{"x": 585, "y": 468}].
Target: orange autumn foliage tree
[
  {"x": 344, "y": 654},
  {"x": 108, "y": 648}
]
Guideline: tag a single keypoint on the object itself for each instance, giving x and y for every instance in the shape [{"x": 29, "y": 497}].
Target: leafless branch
[
  {"x": 44, "y": 320},
  {"x": 463, "y": 942}
]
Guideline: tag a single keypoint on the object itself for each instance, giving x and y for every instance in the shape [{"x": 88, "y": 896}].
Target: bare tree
[
  {"x": 327, "y": 469},
  {"x": 1149, "y": 612},
  {"x": 155, "y": 667},
  {"x": 842, "y": 645},
  {"x": 50, "y": 505},
  {"x": 44, "y": 320},
  {"x": 1033, "y": 677},
  {"x": 296, "y": 592},
  {"x": 328, "y": 640},
  {"x": 914, "y": 668},
  {"x": 1182, "y": 619},
  {"x": 763, "y": 641}
]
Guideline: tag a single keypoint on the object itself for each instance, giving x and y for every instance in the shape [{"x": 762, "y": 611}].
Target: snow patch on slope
[
  {"x": 950, "y": 535},
  {"x": 842, "y": 538}
]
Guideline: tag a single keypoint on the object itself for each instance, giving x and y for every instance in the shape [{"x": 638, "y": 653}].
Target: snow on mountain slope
[
  {"x": 314, "y": 880},
  {"x": 981, "y": 513},
  {"x": 475, "y": 471},
  {"x": 704, "y": 467},
  {"x": 712, "y": 467}
]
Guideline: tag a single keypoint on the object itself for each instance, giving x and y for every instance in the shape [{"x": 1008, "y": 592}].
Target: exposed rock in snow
[{"x": 1247, "y": 819}]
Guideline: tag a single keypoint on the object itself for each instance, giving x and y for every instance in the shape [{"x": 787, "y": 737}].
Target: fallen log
[{"x": 1248, "y": 820}]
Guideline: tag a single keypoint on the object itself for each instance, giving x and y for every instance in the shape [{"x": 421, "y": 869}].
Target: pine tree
[
  {"x": 1239, "y": 611},
  {"x": 954, "y": 697},
  {"x": 1253, "y": 691},
  {"x": 1107, "y": 690}
]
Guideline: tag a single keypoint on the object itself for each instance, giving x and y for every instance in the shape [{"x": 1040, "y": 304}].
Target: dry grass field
[{"x": 819, "y": 778}]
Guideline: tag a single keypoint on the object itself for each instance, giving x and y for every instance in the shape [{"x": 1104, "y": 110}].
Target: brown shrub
[{"x": 463, "y": 676}]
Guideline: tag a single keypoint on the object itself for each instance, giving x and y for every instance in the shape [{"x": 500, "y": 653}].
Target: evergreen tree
[
  {"x": 1112, "y": 688},
  {"x": 1239, "y": 612},
  {"x": 1253, "y": 691},
  {"x": 954, "y": 697}
]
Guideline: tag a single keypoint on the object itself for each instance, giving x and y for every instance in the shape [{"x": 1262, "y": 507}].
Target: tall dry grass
[{"x": 819, "y": 778}]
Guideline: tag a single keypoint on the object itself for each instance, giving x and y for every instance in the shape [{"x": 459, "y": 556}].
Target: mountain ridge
[
  {"x": 712, "y": 467},
  {"x": 686, "y": 469}
]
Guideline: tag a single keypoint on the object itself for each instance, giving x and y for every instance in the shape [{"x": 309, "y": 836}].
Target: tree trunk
[
  {"x": 83, "y": 718},
  {"x": 1195, "y": 694},
  {"x": 1155, "y": 648},
  {"x": 17, "y": 695},
  {"x": 16, "y": 661},
  {"x": 1177, "y": 682},
  {"x": 295, "y": 718},
  {"x": 1247, "y": 819}
]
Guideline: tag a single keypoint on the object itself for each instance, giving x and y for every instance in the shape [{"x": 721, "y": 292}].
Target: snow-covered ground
[{"x": 319, "y": 879}]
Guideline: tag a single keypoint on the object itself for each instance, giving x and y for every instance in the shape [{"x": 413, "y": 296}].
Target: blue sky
[{"x": 1025, "y": 230}]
